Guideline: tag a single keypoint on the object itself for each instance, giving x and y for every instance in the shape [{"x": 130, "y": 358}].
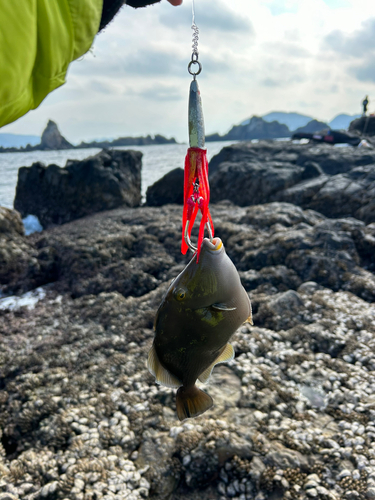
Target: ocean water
[{"x": 156, "y": 162}]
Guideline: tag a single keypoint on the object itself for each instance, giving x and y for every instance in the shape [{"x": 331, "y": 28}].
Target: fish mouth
[{"x": 214, "y": 246}]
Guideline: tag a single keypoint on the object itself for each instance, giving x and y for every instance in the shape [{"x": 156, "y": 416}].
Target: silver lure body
[{"x": 196, "y": 121}]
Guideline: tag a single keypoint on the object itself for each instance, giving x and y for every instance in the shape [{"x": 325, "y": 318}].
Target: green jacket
[{"x": 38, "y": 41}]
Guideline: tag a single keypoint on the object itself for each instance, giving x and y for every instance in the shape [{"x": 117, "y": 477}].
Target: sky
[{"x": 315, "y": 57}]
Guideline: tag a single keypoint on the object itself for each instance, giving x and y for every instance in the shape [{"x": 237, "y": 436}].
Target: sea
[{"x": 156, "y": 162}]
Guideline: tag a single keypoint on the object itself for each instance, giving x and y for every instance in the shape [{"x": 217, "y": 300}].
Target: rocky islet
[{"x": 294, "y": 413}]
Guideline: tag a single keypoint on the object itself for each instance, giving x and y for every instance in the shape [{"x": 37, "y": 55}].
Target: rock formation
[
  {"x": 337, "y": 182},
  {"x": 20, "y": 267},
  {"x": 312, "y": 127},
  {"x": 52, "y": 138},
  {"x": 364, "y": 125},
  {"x": 168, "y": 189},
  {"x": 128, "y": 141},
  {"x": 256, "y": 128},
  {"x": 57, "y": 195}
]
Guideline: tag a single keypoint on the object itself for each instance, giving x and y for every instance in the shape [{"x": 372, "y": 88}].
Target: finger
[{"x": 175, "y": 2}]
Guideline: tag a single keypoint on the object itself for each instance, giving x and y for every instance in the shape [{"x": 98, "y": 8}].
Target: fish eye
[{"x": 180, "y": 294}]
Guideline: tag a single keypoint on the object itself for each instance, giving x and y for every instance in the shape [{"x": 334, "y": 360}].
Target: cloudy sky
[{"x": 316, "y": 57}]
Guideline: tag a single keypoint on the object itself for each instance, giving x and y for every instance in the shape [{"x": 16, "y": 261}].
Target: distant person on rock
[
  {"x": 39, "y": 40},
  {"x": 365, "y": 104}
]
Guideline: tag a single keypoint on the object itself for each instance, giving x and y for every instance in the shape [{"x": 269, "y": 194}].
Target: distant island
[
  {"x": 286, "y": 124},
  {"x": 128, "y": 141},
  {"x": 52, "y": 139},
  {"x": 274, "y": 125}
]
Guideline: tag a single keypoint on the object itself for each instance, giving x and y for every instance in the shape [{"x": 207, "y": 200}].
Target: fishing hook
[{"x": 192, "y": 247}]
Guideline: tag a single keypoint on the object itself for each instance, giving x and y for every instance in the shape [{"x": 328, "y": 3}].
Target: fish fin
[
  {"x": 226, "y": 355},
  {"x": 191, "y": 402},
  {"x": 250, "y": 319},
  {"x": 223, "y": 307},
  {"x": 161, "y": 374}
]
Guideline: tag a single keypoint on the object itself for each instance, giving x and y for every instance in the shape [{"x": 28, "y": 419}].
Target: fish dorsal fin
[
  {"x": 161, "y": 374},
  {"x": 223, "y": 307},
  {"x": 226, "y": 355}
]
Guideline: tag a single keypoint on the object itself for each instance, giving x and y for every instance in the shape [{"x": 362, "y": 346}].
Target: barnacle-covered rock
[{"x": 294, "y": 416}]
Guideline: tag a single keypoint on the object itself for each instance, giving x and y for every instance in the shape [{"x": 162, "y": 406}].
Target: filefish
[{"x": 199, "y": 313}]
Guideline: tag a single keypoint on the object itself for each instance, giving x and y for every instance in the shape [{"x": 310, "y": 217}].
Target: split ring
[{"x": 199, "y": 67}]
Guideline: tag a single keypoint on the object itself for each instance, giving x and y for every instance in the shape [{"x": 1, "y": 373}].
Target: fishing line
[
  {"x": 193, "y": 12},
  {"x": 195, "y": 28},
  {"x": 195, "y": 52}
]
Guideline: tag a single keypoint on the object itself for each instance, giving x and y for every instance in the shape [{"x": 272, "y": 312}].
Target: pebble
[
  {"x": 343, "y": 473},
  {"x": 313, "y": 492}
]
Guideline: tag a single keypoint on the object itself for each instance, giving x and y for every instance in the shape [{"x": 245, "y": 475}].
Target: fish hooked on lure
[{"x": 199, "y": 313}]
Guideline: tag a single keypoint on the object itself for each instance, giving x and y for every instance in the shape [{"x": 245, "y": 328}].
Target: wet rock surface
[
  {"x": 58, "y": 195},
  {"x": 169, "y": 189},
  {"x": 20, "y": 267},
  {"x": 294, "y": 414},
  {"x": 337, "y": 182}
]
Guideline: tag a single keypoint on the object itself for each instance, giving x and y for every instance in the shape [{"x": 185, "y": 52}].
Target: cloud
[
  {"x": 286, "y": 49},
  {"x": 275, "y": 72},
  {"x": 360, "y": 45},
  {"x": 211, "y": 16},
  {"x": 153, "y": 62},
  {"x": 366, "y": 71},
  {"x": 356, "y": 44},
  {"x": 103, "y": 87},
  {"x": 277, "y": 7},
  {"x": 337, "y": 4},
  {"x": 140, "y": 61},
  {"x": 271, "y": 82},
  {"x": 160, "y": 93}
]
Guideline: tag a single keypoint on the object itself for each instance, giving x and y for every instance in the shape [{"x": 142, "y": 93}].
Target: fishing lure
[{"x": 196, "y": 186}]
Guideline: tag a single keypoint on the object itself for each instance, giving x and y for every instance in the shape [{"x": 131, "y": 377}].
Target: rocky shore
[{"x": 294, "y": 415}]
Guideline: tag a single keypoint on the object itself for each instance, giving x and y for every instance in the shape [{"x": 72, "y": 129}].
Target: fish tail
[{"x": 191, "y": 402}]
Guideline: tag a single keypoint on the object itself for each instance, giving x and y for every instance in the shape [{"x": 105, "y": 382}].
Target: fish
[{"x": 199, "y": 313}]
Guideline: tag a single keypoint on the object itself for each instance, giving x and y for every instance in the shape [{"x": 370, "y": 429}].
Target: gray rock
[
  {"x": 281, "y": 457},
  {"x": 312, "y": 126},
  {"x": 337, "y": 182},
  {"x": 225, "y": 389},
  {"x": 251, "y": 183},
  {"x": 52, "y": 138},
  {"x": 257, "y": 468},
  {"x": 363, "y": 125},
  {"x": 10, "y": 223},
  {"x": 58, "y": 195},
  {"x": 20, "y": 268},
  {"x": 168, "y": 189}
]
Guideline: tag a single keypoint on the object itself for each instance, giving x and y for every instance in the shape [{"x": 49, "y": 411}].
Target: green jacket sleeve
[{"x": 38, "y": 41}]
